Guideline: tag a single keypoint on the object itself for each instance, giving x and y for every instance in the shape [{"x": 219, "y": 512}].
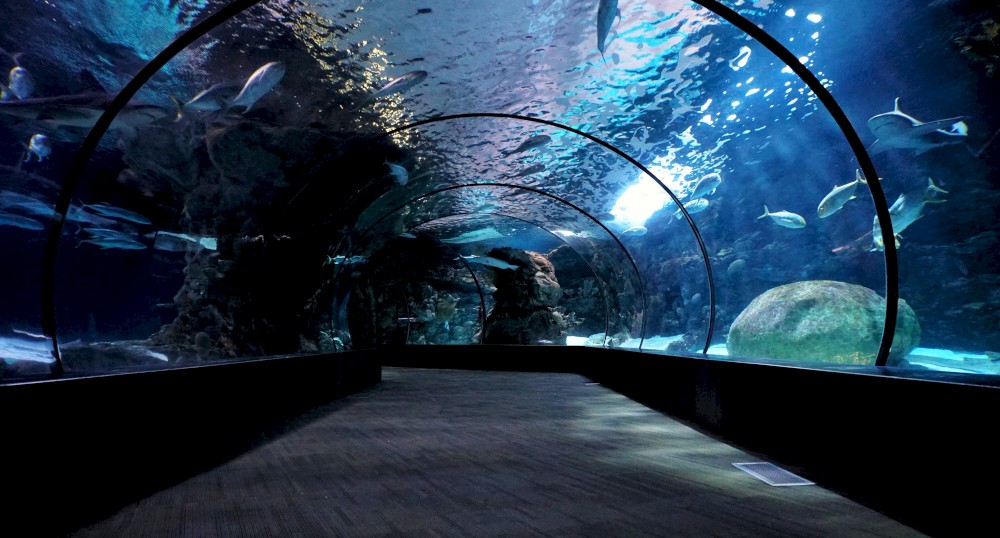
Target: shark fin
[{"x": 89, "y": 83}]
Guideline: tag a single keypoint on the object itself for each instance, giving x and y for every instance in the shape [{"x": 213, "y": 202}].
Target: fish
[
  {"x": 110, "y": 233},
  {"x": 20, "y": 221},
  {"x": 840, "y": 195},
  {"x": 473, "y": 236},
  {"x": 115, "y": 212},
  {"x": 177, "y": 242},
  {"x": 706, "y": 185},
  {"x": 263, "y": 80},
  {"x": 607, "y": 10},
  {"x": 536, "y": 141},
  {"x": 399, "y": 84},
  {"x": 896, "y": 130},
  {"x": 635, "y": 231},
  {"x": 785, "y": 218},
  {"x": 21, "y": 82},
  {"x": 212, "y": 99},
  {"x": 907, "y": 208},
  {"x": 81, "y": 110},
  {"x": 39, "y": 146},
  {"x": 692, "y": 206},
  {"x": 533, "y": 169},
  {"x": 399, "y": 173},
  {"x": 115, "y": 243},
  {"x": 490, "y": 261}
]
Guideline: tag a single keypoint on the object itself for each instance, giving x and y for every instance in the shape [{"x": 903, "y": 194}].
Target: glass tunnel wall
[{"x": 281, "y": 186}]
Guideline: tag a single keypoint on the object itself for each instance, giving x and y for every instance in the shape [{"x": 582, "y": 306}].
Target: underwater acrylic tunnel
[{"x": 584, "y": 155}]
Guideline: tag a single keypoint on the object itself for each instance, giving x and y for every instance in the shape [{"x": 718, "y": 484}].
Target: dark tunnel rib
[
  {"x": 627, "y": 157},
  {"x": 864, "y": 161},
  {"x": 621, "y": 246},
  {"x": 75, "y": 171},
  {"x": 482, "y": 301}
]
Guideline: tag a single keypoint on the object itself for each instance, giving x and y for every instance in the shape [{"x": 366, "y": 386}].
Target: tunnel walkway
[{"x": 475, "y": 453}]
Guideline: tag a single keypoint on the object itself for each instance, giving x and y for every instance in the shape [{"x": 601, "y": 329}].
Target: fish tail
[
  {"x": 766, "y": 212},
  {"x": 858, "y": 177},
  {"x": 932, "y": 187},
  {"x": 180, "y": 107}
]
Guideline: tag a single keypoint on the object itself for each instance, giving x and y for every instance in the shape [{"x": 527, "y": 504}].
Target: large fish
[
  {"x": 81, "y": 110},
  {"x": 907, "y": 208},
  {"x": 840, "y": 195},
  {"x": 896, "y": 130},
  {"x": 212, "y": 99},
  {"x": 607, "y": 10},
  {"x": 785, "y": 218},
  {"x": 490, "y": 261},
  {"x": 536, "y": 141},
  {"x": 692, "y": 207},
  {"x": 400, "y": 84},
  {"x": 706, "y": 185},
  {"x": 263, "y": 80}
]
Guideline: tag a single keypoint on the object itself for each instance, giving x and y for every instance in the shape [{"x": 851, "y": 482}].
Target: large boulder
[{"x": 820, "y": 320}]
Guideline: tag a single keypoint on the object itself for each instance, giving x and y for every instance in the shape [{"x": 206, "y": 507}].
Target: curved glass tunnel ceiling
[{"x": 261, "y": 217}]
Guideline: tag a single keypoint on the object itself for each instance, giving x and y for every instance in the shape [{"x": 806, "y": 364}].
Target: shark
[
  {"x": 896, "y": 130},
  {"x": 81, "y": 110}
]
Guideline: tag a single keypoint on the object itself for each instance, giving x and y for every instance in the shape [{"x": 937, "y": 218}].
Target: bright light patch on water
[
  {"x": 786, "y": 69},
  {"x": 707, "y": 119},
  {"x": 803, "y": 59},
  {"x": 814, "y": 17},
  {"x": 735, "y": 104},
  {"x": 790, "y": 13},
  {"x": 753, "y": 91},
  {"x": 731, "y": 117},
  {"x": 705, "y": 106},
  {"x": 646, "y": 196},
  {"x": 815, "y": 35},
  {"x": 741, "y": 59}
]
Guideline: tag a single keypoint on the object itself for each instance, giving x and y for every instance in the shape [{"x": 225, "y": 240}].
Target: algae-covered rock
[{"x": 820, "y": 320}]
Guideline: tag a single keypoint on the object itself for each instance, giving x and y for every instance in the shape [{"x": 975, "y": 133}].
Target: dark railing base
[{"x": 76, "y": 450}]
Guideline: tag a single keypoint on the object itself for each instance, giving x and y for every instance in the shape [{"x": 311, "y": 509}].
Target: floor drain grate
[{"x": 772, "y": 474}]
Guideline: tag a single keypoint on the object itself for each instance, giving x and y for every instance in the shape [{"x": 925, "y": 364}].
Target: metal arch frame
[
  {"x": 860, "y": 152},
  {"x": 75, "y": 172},
  {"x": 482, "y": 301},
  {"x": 621, "y": 246},
  {"x": 614, "y": 149}
]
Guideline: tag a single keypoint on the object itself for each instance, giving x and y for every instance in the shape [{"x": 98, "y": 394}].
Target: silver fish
[
  {"x": 706, "y": 185},
  {"x": 785, "y": 218},
  {"x": 536, "y": 141},
  {"x": 840, "y": 195},
  {"x": 115, "y": 243},
  {"x": 21, "y": 82},
  {"x": 115, "y": 212},
  {"x": 212, "y": 99},
  {"x": 634, "y": 231},
  {"x": 490, "y": 261},
  {"x": 896, "y": 130},
  {"x": 607, "y": 10},
  {"x": 263, "y": 80},
  {"x": 907, "y": 208},
  {"x": 39, "y": 146},
  {"x": 692, "y": 207},
  {"x": 473, "y": 236},
  {"x": 400, "y": 84},
  {"x": 20, "y": 221},
  {"x": 399, "y": 173}
]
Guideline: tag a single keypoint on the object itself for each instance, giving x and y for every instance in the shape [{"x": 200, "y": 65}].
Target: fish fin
[
  {"x": 858, "y": 177},
  {"x": 895, "y": 105},
  {"x": 766, "y": 213},
  {"x": 180, "y": 107},
  {"x": 932, "y": 187},
  {"x": 89, "y": 83}
]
